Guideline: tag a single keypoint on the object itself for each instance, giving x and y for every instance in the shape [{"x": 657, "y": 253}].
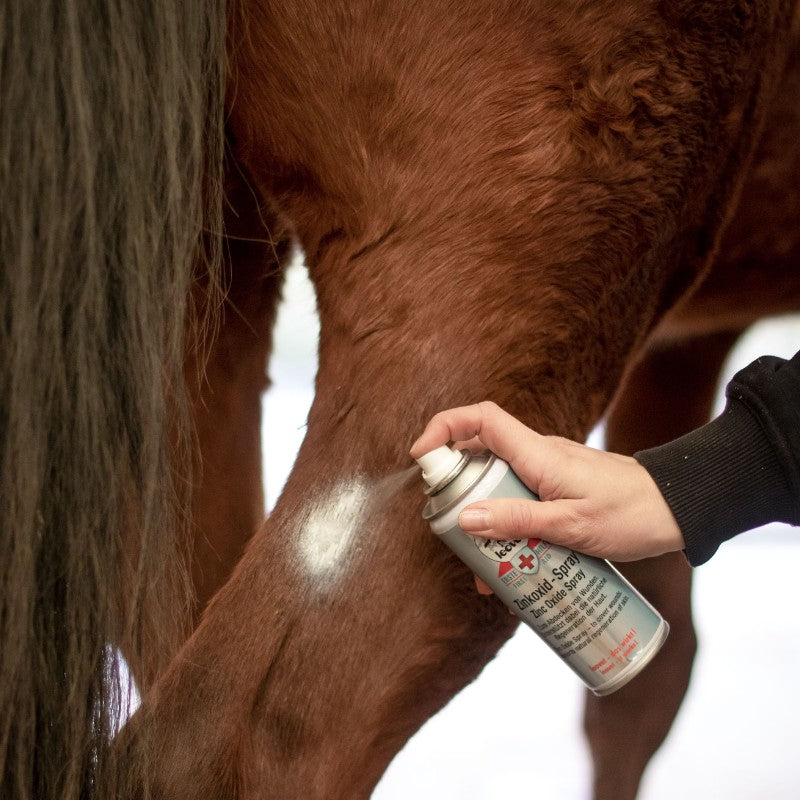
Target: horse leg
[
  {"x": 226, "y": 392},
  {"x": 225, "y": 369},
  {"x": 347, "y": 623},
  {"x": 754, "y": 274},
  {"x": 668, "y": 393},
  {"x": 458, "y": 254}
]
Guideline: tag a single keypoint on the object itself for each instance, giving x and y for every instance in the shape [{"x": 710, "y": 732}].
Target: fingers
[
  {"x": 519, "y": 519},
  {"x": 497, "y": 430},
  {"x": 474, "y": 445}
]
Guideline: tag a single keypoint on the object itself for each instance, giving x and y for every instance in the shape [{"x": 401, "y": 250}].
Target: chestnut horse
[{"x": 563, "y": 207}]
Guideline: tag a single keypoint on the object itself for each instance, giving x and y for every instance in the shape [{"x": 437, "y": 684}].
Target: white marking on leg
[{"x": 328, "y": 534}]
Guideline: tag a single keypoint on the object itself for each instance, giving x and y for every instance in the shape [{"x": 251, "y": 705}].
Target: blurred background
[{"x": 737, "y": 732}]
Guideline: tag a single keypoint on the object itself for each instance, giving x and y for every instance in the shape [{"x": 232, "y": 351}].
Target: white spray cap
[{"x": 438, "y": 464}]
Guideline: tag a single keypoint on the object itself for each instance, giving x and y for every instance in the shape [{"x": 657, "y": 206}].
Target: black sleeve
[{"x": 742, "y": 469}]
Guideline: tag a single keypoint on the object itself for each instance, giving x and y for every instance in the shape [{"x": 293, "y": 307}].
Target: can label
[{"x": 580, "y": 605}]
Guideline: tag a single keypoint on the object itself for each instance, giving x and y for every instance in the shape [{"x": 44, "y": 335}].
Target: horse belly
[{"x": 756, "y": 272}]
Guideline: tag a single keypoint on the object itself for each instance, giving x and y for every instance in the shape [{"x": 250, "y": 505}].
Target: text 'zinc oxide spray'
[{"x": 588, "y": 613}]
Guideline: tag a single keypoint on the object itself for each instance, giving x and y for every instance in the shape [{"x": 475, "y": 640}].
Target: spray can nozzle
[{"x": 441, "y": 465}]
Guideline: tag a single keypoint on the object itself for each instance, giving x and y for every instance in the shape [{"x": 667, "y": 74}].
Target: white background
[{"x": 737, "y": 734}]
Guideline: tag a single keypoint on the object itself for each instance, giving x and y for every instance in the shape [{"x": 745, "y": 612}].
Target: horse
[{"x": 568, "y": 208}]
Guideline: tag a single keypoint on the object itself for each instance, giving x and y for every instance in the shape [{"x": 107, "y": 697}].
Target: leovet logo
[{"x": 512, "y": 554}]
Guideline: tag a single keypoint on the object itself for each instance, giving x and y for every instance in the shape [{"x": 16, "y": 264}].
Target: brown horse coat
[
  {"x": 524, "y": 202},
  {"x": 564, "y": 207}
]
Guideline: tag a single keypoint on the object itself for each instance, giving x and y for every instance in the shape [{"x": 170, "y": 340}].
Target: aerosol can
[{"x": 581, "y": 606}]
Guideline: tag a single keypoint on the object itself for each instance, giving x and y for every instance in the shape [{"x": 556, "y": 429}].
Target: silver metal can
[{"x": 581, "y": 606}]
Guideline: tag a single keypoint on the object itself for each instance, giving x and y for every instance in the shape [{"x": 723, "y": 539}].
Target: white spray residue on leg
[
  {"x": 329, "y": 533},
  {"x": 329, "y": 529}
]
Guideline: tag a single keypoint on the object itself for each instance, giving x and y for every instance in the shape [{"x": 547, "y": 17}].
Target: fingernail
[{"x": 475, "y": 519}]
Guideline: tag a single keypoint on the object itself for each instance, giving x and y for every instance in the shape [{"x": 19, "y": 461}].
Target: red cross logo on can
[
  {"x": 526, "y": 559},
  {"x": 526, "y": 562}
]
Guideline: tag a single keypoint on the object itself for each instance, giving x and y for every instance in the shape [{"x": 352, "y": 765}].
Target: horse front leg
[{"x": 626, "y": 728}]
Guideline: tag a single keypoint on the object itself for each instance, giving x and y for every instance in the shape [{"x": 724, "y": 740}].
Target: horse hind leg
[
  {"x": 225, "y": 371},
  {"x": 668, "y": 393},
  {"x": 228, "y": 502}
]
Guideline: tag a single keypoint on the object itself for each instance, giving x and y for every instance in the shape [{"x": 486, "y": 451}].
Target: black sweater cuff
[{"x": 720, "y": 480}]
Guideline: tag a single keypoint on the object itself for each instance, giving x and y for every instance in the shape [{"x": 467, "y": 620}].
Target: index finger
[{"x": 497, "y": 429}]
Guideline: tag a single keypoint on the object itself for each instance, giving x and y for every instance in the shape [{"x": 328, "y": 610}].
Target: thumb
[{"x": 516, "y": 519}]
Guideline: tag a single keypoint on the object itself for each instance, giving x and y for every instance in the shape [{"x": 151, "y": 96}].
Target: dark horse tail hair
[{"x": 111, "y": 139}]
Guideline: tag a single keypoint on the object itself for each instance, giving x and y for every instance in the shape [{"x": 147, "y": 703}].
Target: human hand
[{"x": 595, "y": 502}]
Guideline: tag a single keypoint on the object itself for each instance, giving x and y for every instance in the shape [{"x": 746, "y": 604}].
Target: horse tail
[{"x": 111, "y": 138}]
